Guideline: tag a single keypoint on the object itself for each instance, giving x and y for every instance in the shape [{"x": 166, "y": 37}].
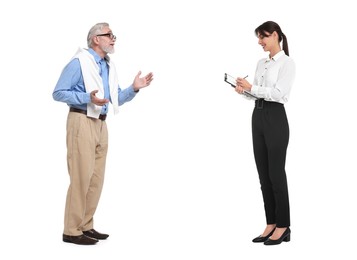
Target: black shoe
[
  {"x": 284, "y": 237},
  {"x": 94, "y": 234},
  {"x": 261, "y": 239},
  {"x": 79, "y": 240}
]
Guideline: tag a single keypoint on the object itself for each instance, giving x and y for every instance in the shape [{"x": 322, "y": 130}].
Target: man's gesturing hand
[
  {"x": 97, "y": 101},
  {"x": 143, "y": 81}
]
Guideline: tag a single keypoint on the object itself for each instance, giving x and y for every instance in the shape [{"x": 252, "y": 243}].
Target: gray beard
[{"x": 109, "y": 50}]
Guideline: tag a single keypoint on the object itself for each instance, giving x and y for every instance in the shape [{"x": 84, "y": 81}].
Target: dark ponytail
[
  {"x": 285, "y": 44},
  {"x": 270, "y": 27}
]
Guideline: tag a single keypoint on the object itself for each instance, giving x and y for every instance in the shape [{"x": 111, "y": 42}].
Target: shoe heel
[{"x": 287, "y": 238}]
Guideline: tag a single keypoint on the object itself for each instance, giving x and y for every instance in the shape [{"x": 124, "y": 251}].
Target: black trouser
[{"x": 270, "y": 130}]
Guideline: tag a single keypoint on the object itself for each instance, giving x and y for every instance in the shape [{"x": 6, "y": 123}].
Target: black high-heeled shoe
[
  {"x": 261, "y": 239},
  {"x": 284, "y": 237}
]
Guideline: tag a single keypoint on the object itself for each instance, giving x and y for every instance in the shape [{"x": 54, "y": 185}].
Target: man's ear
[{"x": 95, "y": 39}]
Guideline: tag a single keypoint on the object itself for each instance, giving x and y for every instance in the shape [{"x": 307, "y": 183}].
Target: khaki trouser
[{"x": 87, "y": 145}]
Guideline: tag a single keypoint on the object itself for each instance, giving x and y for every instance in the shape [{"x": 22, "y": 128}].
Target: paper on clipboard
[{"x": 232, "y": 81}]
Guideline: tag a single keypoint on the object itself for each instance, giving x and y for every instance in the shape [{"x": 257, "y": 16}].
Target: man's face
[{"x": 106, "y": 40}]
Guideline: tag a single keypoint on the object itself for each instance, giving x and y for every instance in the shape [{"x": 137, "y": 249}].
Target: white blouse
[{"x": 274, "y": 78}]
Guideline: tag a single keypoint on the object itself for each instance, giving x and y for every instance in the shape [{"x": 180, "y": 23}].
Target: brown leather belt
[{"x": 76, "y": 110}]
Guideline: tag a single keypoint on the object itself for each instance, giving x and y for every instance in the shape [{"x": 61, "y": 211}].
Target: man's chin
[{"x": 109, "y": 50}]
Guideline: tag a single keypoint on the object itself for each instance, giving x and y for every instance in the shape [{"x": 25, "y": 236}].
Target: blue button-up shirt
[{"x": 70, "y": 87}]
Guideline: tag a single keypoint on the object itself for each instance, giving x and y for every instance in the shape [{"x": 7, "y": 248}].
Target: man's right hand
[{"x": 97, "y": 101}]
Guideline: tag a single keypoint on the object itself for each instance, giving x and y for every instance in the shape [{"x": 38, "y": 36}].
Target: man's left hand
[{"x": 142, "y": 82}]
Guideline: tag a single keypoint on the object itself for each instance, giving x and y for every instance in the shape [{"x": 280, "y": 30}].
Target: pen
[{"x": 245, "y": 77}]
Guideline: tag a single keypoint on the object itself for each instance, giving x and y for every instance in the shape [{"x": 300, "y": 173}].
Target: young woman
[{"x": 272, "y": 84}]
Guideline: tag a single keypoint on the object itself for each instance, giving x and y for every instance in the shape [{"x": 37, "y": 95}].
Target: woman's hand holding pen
[{"x": 242, "y": 84}]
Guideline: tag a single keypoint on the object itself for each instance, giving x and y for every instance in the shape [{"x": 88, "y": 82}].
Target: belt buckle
[
  {"x": 260, "y": 103},
  {"x": 102, "y": 117}
]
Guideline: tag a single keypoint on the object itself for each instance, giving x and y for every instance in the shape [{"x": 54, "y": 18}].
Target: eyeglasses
[{"x": 110, "y": 35}]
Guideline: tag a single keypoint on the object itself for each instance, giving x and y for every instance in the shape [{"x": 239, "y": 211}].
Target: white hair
[{"x": 96, "y": 29}]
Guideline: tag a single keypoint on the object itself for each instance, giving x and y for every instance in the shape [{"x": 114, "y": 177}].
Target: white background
[{"x": 181, "y": 181}]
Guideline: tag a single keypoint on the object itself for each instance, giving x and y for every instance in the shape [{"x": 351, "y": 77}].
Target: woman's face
[{"x": 268, "y": 42}]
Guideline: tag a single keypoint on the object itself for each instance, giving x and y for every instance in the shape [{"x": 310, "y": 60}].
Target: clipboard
[{"x": 232, "y": 81}]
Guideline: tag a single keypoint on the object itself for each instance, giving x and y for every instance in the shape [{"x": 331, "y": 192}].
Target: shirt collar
[
  {"x": 276, "y": 56},
  {"x": 97, "y": 58}
]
